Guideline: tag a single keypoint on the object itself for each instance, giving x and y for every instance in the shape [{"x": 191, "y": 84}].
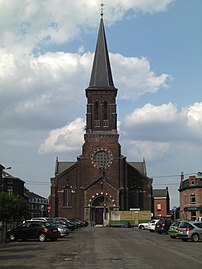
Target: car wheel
[
  {"x": 172, "y": 236},
  {"x": 12, "y": 237},
  {"x": 54, "y": 239},
  {"x": 42, "y": 237},
  {"x": 141, "y": 227},
  {"x": 195, "y": 237}
]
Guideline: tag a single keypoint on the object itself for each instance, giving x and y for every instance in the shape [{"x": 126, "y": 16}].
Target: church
[{"x": 100, "y": 180}]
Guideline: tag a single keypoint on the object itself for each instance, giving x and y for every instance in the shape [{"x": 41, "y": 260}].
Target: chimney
[{"x": 181, "y": 179}]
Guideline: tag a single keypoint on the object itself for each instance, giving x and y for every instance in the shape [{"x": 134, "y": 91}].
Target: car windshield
[
  {"x": 199, "y": 224},
  {"x": 186, "y": 225},
  {"x": 176, "y": 223}
]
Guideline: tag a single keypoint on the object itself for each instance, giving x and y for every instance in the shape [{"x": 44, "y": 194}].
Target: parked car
[
  {"x": 84, "y": 222},
  {"x": 190, "y": 230},
  {"x": 34, "y": 229},
  {"x": 163, "y": 225},
  {"x": 66, "y": 222},
  {"x": 173, "y": 230},
  {"x": 152, "y": 225},
  {"x": 145, "y": 225}
]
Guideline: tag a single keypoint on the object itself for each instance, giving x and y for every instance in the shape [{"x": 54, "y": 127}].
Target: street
[{"x": 98, "y": 247}]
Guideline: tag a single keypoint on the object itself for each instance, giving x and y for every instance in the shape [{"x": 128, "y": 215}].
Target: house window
[
  {"x": 67, "y": 196},
  {"x": 158, "y": 206},
  {"x": 192, "y": 181},
  {"x": 10, "y": 190},
  {"x": 185, "y": 199},
  {"x": 193, "y": 198}
]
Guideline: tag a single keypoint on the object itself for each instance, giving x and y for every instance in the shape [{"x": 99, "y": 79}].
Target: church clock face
[{"x": 102, "y": 158}]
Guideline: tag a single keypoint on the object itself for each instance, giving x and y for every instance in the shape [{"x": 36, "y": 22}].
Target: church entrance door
[{"x": 99, "y": 216}]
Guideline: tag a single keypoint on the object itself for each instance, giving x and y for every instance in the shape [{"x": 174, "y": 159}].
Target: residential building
[
  {"x": 161, "y": 202},
  {"x": 11, "y": 184},
  {"x": 191, "y": 197},
  {"x": 101, "y": 179},
  {"x": 38, "y": 205}
]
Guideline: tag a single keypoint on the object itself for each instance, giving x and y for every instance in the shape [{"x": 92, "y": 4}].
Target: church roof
[
  {"x": 101, "y": 75},
  {"x": 140, "y": 166},
  {"x": 60, "y": 167}
]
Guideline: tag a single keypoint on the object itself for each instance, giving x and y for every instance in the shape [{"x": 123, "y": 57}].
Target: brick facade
[
  {"x": 161, "y": 202},
  {"x": 101, "y": 180},
  {"x": 191, "y": 197}
]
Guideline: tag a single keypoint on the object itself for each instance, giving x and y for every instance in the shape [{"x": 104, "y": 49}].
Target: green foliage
[{"x": 12, "y": 206}]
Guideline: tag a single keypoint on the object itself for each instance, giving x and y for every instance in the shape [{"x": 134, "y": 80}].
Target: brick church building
[{"x": 101, "y": 180}]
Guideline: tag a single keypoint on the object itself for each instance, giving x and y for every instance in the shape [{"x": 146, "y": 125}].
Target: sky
[{"x": 46, "y": 54}]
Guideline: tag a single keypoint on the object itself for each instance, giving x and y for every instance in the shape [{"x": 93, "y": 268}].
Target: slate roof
[
  {"x": 62, "y": 166},
  {"x": 101, "y": 75},
  {"x": 140, "y": 166},
  {"x": 33, "y": 195},
  {"x": 160, "y": 193}
]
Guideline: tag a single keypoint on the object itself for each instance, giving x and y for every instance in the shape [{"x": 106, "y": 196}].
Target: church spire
[{"x": 101, "y": 75}]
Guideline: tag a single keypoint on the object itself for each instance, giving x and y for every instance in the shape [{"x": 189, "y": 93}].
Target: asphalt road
[{"x": 101, "y": 248}]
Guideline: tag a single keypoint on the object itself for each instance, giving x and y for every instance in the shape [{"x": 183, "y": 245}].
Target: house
[
  {"x": 101, "y": 180},
  {"x": 190, "y": 190},
  {"x": 161, "y": 202},
  {"x": 11, "y": 184},
  {"x": 38, "y": 205}
]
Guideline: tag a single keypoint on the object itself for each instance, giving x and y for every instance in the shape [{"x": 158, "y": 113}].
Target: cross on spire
[{"x": 102, "y": 9}]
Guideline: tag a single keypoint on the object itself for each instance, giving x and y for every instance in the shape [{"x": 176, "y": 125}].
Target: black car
[
  {"x": 34, "y": 229},
  {"x": 162, "y": 226}
]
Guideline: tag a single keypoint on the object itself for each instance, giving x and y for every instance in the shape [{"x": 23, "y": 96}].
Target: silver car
[{"x": 190, "y": 230}]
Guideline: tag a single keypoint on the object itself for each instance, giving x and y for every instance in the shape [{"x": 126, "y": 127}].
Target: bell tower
[
  {"x": 101, "y": 94},
  {"x": 101, "y": 149}
]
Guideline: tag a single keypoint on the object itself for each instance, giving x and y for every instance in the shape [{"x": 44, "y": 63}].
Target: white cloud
[
  {"x": 135, "y": 76},
  {"x": 151, "y": 150},
  {"x": 27, "y": 25},
  {"x": 165, "y": 123},
  {"x": 194, "y": 117},
  {"x": 151, "y": 114},
  {"x": 152, "y": 134},
  {"x": 42, "y": 90},
  {"x": 67, "y": 138}
]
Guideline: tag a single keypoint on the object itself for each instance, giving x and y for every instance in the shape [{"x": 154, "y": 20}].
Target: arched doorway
[{"x": 100, "y": 207}]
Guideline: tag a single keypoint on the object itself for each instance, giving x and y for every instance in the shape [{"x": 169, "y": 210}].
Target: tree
[{"x": 11, "y": 207}]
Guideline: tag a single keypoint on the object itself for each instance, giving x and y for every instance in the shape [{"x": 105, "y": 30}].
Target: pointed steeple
[{"x": 101, "y": 75}]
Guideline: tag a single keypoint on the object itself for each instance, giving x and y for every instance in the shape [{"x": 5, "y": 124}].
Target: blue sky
[{"x": 46, "y": 57}]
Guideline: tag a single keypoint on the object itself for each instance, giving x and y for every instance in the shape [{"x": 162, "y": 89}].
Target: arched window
[
  {"x": 105, "y": 114},
  {"x": 105, "y": 110},
  {"x": 96, "y": 110},
  {"x": 67, "y": 196},
  {"x": 96, "y": 114}
]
